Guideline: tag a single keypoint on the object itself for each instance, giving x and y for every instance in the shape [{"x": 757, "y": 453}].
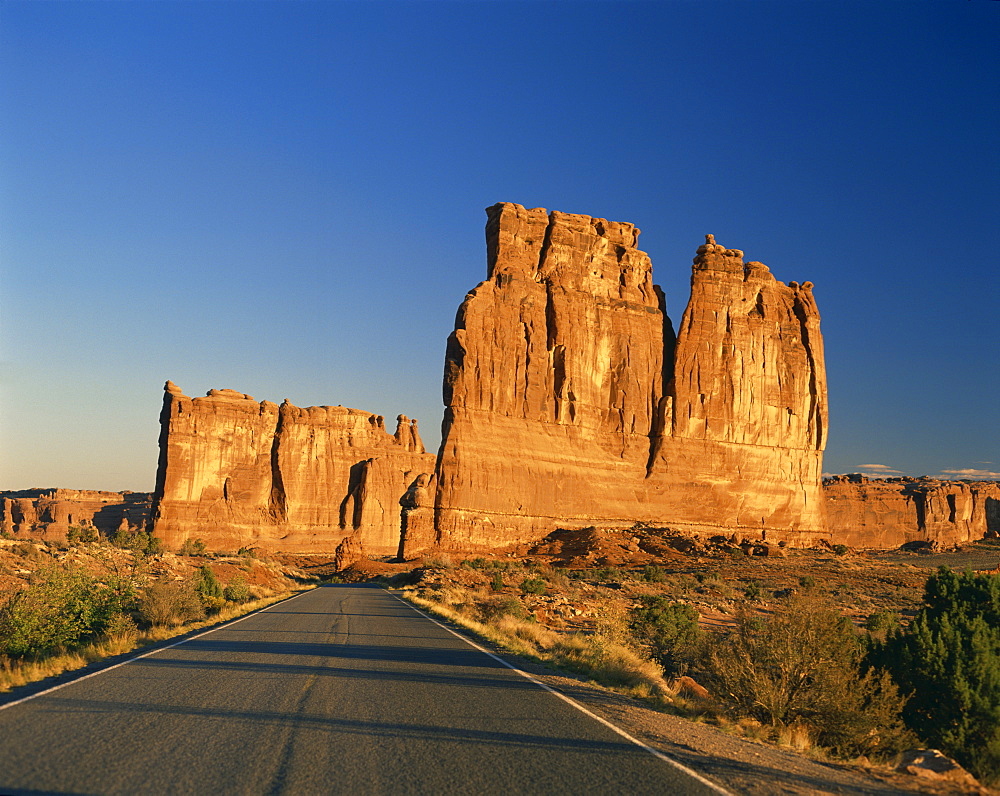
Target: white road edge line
[
  {"x": 145, "y": 654},
  {"x": 654, "y": 752}
]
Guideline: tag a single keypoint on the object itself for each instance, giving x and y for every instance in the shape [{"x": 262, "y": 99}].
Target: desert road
[{"x": 342, "y": 689}]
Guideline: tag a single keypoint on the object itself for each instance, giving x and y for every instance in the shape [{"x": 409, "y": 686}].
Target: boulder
[{"x": 932, "y": 764}]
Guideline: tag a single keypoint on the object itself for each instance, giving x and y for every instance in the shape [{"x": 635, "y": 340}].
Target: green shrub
[
  {"x": 438, "y": 561},
  {"x": 497, "y": 582},
  {"x": 237, "y": 591},
  {"x": 491, "y": 610},
  {"x": 807, "y": 582},
  {"x": 58, "y": 609},
  {"x": 803, "y": 666},
  {"x": 533, "y": 586},
  {"x": 206, "y": 584},
  {"x": 880, "y": 623},
  {"x": 948, "y": 661},
  {"x": 653, "y": 574},
  {"x": 753, "y": 591},
  {"x": 193, "y": 547},
  {"x": 670, "y": 629},
  {"x": 167, "y": 603},
  {"x": 77, "y": 534},
  {"x": 841, "y": 549},
  {"x": 27, "y": 550},
  {"x": 138, "y": 540},
  {"x": 121, "y": 626}
]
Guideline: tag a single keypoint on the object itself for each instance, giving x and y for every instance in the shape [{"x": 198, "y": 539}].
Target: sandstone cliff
[
  {"x": 236, "y": 473},
  {"x": 50, "y": 513},
  {"x": 569, "y": 401},
  {"x": 886, "y": 513}
]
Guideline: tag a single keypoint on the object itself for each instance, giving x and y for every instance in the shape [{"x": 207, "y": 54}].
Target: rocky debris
[
  {"x": 891, "y": 512},
  {"x": 932, "y": 764},
  {"x": 687, "y": 687},
  {"x": 238, "y": 473},
  {"x": 50, "y": 513},
  {"x": 569, "y": 399}
]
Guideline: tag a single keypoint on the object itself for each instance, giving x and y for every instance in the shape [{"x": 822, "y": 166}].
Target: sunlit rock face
[
  {"x": 570, "y": 402},
  {"x": 236, "y": 473},
  {"x": 888, "y": 512}
]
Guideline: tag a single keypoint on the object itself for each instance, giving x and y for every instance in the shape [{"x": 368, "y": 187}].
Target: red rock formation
[
  {"x": 569, "y": 403},
  {"x": 886, "y": 513},
  {"x": 236, "y": 473},
  {"x": 50, "y": 513}
]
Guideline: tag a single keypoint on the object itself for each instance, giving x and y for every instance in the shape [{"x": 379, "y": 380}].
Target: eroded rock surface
[
  {"x": 570, "y": 402},
  {"x": 236, "y": 472},
  {"x": 889, "y": 512}
]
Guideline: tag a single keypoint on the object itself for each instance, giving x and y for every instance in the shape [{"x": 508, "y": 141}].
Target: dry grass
[
  {"x": 603, "y": 656},
  {"x": 14, "y": 673}
]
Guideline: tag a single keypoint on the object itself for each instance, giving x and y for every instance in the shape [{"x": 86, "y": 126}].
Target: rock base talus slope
[
  {"x": 235, "y": 473},
  {"x": 885, "y": 513},
  {"x": 570, "y": 402}
]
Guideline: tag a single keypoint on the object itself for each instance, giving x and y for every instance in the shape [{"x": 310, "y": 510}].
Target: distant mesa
[{"x": 48, "y": 514}]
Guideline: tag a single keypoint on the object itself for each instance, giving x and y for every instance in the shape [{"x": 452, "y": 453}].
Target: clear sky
[{"x": 286, "y": 199}]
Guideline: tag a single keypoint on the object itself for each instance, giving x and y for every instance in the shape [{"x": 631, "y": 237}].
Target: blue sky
[{"x": 286, "y": 198}]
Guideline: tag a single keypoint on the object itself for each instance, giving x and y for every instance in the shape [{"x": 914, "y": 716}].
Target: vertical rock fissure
[
  {"x": 278, "y": 500},
  {"x": 814, "y": 414}
]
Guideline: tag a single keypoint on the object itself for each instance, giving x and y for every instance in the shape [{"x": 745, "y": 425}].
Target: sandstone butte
[
  {"x": 884, "y": 513},
  {"x": 570, "y": 401},
  {"x": 237, "y": 473},
  {"x": 50, "y": 513}
]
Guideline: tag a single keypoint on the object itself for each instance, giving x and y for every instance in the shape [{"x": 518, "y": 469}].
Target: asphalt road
[{"x": 340, "y": 689}]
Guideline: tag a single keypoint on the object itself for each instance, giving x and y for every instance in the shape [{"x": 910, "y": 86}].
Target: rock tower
[{"x": 570, "y": 401}]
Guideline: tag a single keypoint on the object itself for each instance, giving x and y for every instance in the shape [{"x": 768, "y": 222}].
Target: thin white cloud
[
  {"x": 972, "y": 474},
  {"x": 879, "y": 471}
]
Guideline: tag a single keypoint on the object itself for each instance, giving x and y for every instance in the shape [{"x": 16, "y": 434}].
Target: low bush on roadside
[
  {"x": 57, "y": 610},
  {"x": 802, "y": 666},
  {"x": 533, "y": 586},
  {"x": 669, "y": 629},
  {"x": 209, "y": 590},
  {"x": 948, "y": 662},
  {"x": 170, "y": 603},
  {"x": 490, "y": 610},
  {"x": 237, "y": 591}
]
